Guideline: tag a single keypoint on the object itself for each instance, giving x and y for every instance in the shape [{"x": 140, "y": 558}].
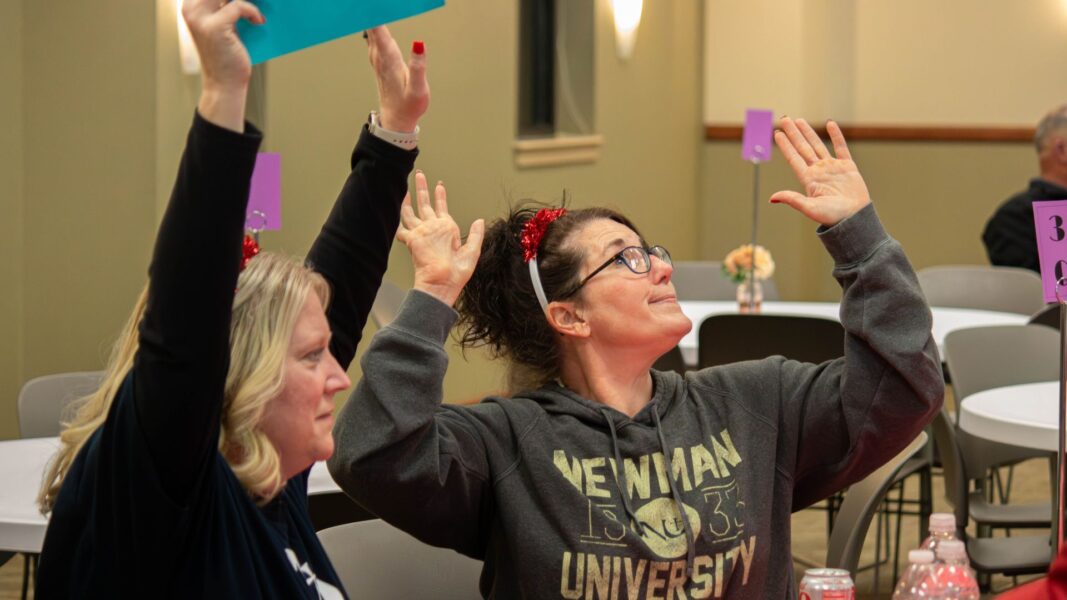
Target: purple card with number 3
[
  {"x": 1050, "y": 224},
  {"x": 756, "y": 141},
  {"x": 265, "y": 198}
]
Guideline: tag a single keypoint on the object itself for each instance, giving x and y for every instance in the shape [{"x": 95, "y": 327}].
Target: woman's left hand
[
  {"x": 835, "y": 189},
  {"x": 403, "y": 91},
  {"x": 443, "y": 261}
]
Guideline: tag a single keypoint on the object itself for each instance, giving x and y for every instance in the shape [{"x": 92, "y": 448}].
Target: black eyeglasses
[{"x": 636, "y": 258}]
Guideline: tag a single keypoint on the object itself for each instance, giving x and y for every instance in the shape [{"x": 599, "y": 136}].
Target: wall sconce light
[
  {"x": 186, "y": 48},
  {"x": 627, "y": 20}
]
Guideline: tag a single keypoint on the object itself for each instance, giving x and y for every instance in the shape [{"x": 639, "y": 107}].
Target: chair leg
[
  {"x": 900, "y": 523},
  {"x": 926, "y": 501},
  {"x": 25, "y": 576},
  {"x": 878, "y": 546}
]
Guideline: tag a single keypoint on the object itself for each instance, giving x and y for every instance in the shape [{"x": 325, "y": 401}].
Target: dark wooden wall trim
[{"x": 900, "y": 133}]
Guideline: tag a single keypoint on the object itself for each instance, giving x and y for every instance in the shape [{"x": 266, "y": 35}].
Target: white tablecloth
[
  {"x": 22, "y": 464},
  {"x": 945, "y": 319},
  {"x": 1021, "y": 415}
]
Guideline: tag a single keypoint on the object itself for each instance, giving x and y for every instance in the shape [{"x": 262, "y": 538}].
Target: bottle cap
[
  {"x": 942, "y": 522},
  {"x": 951, "y": 550},
  {"x": 920, "y": 557}
]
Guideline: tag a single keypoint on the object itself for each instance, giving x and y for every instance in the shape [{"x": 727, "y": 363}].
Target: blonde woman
[{"x": 185, "y": 475}]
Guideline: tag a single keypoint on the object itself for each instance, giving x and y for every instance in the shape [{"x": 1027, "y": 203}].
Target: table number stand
[
  {"x": 755, "y": 224},
  {"x": 1050, "y": 232},
  {"x": 1058, "y": 529},
  {"x": 756, "y": 148}
]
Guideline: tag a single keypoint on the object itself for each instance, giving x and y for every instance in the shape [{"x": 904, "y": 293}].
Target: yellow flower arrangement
[{"x": 738, "y": 263}]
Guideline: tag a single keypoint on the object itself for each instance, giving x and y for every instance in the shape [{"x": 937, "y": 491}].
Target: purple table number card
[
  {"x": 1050, "y": 224},
  {"x": 756, "y": 140},
  {"x": 264, "y": 211}
]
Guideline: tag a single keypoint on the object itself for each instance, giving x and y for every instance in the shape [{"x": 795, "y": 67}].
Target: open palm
[
  {"x": 834, "y": 189},
  {"x": 443, "y": 262}
]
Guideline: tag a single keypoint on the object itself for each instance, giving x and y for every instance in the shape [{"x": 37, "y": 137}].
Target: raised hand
[
  {"x": 403, "y": 92},
  {"x": 443, "y": 262},
  {"x": 834, "y": 187},
  {"x": 224, "y": 61}
]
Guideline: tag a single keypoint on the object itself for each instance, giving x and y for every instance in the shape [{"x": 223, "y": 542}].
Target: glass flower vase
[{"x": 750, "y": 296}]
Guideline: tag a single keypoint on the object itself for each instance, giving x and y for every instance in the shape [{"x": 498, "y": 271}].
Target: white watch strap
[{"x": 407, "y": 141}]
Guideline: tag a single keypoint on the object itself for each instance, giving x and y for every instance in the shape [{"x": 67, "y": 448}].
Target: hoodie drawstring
[
  {"x": 620, "y": 482},
  {"x": 620, "y": 473},
  {"x": 690, "y": 539}
]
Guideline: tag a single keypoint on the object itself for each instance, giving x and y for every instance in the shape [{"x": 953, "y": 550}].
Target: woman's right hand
[
  {"x": 224, "y": 61},
  {"x": 443, "y": 261}
]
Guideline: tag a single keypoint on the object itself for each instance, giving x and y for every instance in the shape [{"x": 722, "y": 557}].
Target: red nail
[{"x": 417, "y": 47}]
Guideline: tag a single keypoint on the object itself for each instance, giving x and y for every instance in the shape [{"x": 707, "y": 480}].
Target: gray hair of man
[{"x": 1053, "y": 122}]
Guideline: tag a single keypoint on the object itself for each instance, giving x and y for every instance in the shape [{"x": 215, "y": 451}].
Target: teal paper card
[{"x": 297, "y": 24}]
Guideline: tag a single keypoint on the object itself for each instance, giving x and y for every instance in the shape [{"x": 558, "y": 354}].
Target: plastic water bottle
[
  {"x": 942, "y": 527},
  {"x": 919, "y": 580},
  {"x": 955, "y": 579}
]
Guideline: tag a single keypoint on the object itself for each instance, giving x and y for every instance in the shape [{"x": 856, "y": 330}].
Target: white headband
[{"x": 536, "y": 280}]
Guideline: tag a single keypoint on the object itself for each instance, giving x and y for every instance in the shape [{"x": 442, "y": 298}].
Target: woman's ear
[{"x": 566, "y": 319}]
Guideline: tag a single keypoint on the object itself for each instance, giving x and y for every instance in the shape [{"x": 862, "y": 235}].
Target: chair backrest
[
  {"x": 981, "y": 358},
  {"x": 858, "y": 508},
  {"x": 703, "y": 280},
  {"x": 730, "y": 338},
  {"x": 1005, "y": 289},
  {"x": 1048, "y": 316},
  {"x": 376, "y": 560},
  {"x": 42, "y": 400},
  {"x": 386, "y": 304}
]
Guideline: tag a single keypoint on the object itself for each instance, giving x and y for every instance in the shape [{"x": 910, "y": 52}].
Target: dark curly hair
[{"x": 498, "y": 308}]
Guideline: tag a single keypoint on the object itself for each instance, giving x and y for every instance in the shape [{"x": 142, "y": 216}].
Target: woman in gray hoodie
[{"x": 604, "y": 478}]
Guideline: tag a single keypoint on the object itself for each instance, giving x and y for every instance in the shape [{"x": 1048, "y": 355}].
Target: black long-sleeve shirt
[
  {"x": 1009, "y": 236},
  {"x": 150, "y": 506}
]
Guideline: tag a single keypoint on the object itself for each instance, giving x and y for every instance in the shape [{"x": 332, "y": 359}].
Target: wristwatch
[{"x": 407, "y": 141}]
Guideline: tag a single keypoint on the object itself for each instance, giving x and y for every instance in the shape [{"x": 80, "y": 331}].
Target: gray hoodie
[{"x": 563, "y": 497}]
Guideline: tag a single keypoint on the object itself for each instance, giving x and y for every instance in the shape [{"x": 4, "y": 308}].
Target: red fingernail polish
[{"x": 417, "y": 47}]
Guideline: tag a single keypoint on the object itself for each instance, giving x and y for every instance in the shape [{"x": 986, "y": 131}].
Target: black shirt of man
[{"x": 1009, "y": 235}]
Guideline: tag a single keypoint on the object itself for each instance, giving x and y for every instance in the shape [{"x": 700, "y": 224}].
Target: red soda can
[{"x": 827, "y": 584}]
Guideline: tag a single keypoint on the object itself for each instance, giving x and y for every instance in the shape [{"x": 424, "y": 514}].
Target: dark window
[{"x": 537, "y": 72}]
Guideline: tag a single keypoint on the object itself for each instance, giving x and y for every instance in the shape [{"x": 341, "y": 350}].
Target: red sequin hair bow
[
  {"x": 534, "y": 230},
  {"x": 249, "y": 248}
]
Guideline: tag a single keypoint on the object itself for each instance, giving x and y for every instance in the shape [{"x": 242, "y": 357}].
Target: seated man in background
[{"x": 1009, "y": 235}]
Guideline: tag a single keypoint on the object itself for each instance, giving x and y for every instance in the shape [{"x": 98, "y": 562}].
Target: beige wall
[
  {"x": 951, "y": 62},
  {"x": 105, "y": 109},
  {"x": 870, "y": 61},
  {"x": 88, "y": 175},
  {"x": 11, "y": 221}
]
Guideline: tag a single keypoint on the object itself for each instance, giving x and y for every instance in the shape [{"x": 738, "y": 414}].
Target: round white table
[
  {"x": 945, "y": 319},
  {"x": 22, "y": 464},
  {"x": 1026, "y": 415}
]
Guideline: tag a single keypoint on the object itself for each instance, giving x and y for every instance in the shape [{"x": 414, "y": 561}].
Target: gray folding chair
[
  {"x": 1016, "y": 555},
  {"x": 387, "y": 304},
  {"x": 376, "y": 560},
  {"x": 1004, "y": 289},
  {"x": 982, "y": 358},
  {"x": 41, "y": 405},
  {"x": 703, "y": 280},
  {"x": 861, "y": 503},
  {"x": 42, "y": 400}
]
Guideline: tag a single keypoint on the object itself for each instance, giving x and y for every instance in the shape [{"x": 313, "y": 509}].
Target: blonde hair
[{"x": 271, "y": 292}]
